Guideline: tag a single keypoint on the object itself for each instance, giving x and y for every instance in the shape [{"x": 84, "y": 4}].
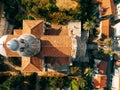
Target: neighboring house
[
  {"x": 102, "y": 68},
  {"x": 106, "y": 10},
  {"x": 116, "y": 45},
  {"x": 42, "y": 49},
  {"x": 116, "y": 74},
  {"x": 100, "y": 81},
  {"x": 116, "y": 79},
  {"x": 117, "y": 30},
  {"x": 117, "y": 16}
]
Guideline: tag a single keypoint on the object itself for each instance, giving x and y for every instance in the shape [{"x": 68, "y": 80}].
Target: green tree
[
  {"x": 3, "y": 87},
  {"x": 88, "y": 25},
  {"x": 74, "y": 85},
  {"x": 14, "y": 82}
]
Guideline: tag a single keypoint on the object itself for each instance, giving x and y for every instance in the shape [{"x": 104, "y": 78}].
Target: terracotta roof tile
[
  {"x": 30, "y": 68},
  {"x": 25, "y": 62},
  {"x": 18, "y": 32},
  {"x": 38, "y": 30},
  {"x": 107, "y": 7},
  {"x": 32, "y": 64},
  {"x": 38, "y": 62},
  {"x": 100, "y": 81},
  {"x": 105, "y": 28},
  {"x": 56, "y": 46},
  {"x": 28, "y": 25}
]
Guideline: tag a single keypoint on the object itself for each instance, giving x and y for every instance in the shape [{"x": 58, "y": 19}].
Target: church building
[{"x": 41, "y": 48}]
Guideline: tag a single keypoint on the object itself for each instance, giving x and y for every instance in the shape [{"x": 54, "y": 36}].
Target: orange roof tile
[
  {"x": 28, "y": 25},
  {"x": 100, "y": 81},
  {"x": 38, "y": 30},
  {"x": 31, "y": 64},
  {"x": 18, "y": 32},
  {"x": 37, "y": 61},
  {"x": 56, "y": 46},
  {"x": 30, "y": 68},
  {"x": 25, "y": 62},
  {"x": 107, "y": 7},
  {"x": 105, "y": 28}
]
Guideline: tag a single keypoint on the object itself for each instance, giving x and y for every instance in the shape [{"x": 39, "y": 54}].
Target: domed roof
[
  {"x": 30, "y": 45},
  {"x": 13, "y": 44},
  {"x": 26, "y": 45}
]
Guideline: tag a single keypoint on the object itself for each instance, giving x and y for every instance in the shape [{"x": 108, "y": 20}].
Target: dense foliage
[{"x": 17, "y": 10}]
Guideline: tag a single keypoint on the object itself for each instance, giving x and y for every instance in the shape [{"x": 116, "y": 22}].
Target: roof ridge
[
  {"x": 32, "y": 65},
  {"x": 36, "y": 22}
]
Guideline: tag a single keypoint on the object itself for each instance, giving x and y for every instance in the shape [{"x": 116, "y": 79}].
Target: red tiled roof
[
  {"x": 31, "y": 64},
  {"x": 56, "y": 46},
  {"x": 38, "y": 30},
  {"x": 102, "y": 67}
]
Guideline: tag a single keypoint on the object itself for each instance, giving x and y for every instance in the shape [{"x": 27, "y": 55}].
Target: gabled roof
[
  {"x": 31, "y": 64},
  {"x": 30, "y": 68},
  {"x": 31, "y": 23},
  {"x": 28, "y": 25}
]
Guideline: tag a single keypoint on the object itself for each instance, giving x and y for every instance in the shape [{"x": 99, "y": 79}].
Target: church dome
[{"x": 13, "y": 44}]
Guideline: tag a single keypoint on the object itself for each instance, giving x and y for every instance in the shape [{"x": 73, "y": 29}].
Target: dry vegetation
[{"x": 66, "y": 4}]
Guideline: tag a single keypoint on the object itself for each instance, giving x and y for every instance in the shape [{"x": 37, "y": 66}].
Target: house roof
[
  {"x": 105, "y": 28},
  {"x": 31, "y": 64},
  {"x": 100, "y": 81},
  {"x": 18, "y": 31},
  {"x": 56, "y": 46},
  {"x": 102, "y": 67},
  {"x": 107, "y": 7}
]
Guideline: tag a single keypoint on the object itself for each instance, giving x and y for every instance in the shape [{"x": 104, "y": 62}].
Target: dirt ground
[{"x": 66, "y": 4}]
